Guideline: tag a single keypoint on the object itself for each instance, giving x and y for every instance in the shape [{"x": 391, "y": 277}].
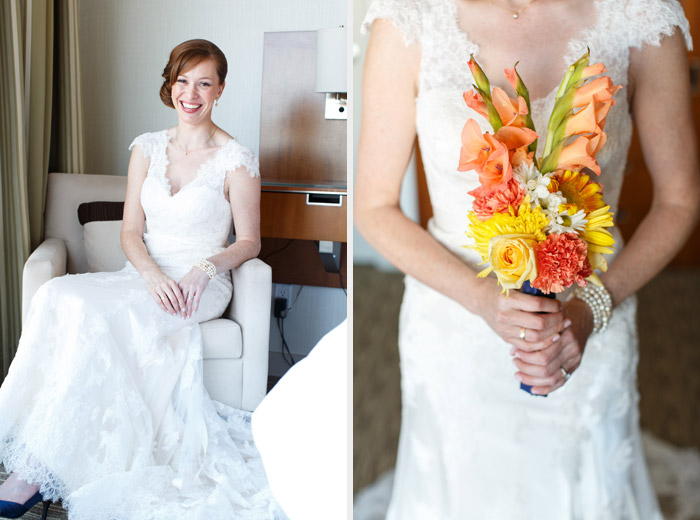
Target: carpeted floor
[{"x": 669, "y": 368}]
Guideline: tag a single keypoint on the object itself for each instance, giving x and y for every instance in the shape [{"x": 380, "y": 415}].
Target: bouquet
[{"x": 539, "y": 222}]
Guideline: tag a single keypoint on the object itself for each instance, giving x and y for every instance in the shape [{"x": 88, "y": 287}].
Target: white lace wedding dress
[
  {"x": 472, "y": 444},
  {"x": 104, "y": 405}
]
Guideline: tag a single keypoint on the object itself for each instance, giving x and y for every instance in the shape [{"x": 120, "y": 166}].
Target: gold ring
[{"x": 522, "y": 333}]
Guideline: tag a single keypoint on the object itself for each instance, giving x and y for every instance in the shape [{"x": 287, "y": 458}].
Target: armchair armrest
[
  {"x": 46, "y": 262},
  {"x": 250, "y": 308}
]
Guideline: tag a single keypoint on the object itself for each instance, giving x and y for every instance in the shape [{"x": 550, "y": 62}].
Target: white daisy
[
  {"x": 533, "y": 182},
  {"x": 562, "y": 222}
]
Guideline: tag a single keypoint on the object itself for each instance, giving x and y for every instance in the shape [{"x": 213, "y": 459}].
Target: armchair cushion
[
  {"x": 222, "y": 339},
  {"x": 102, "y": 246}
]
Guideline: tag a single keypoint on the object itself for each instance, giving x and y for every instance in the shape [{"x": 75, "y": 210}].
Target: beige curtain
[{"x": 30, "y": 52}]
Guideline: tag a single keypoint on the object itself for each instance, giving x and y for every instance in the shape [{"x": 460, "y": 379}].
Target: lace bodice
[
  {"x": 196, "y": 220},
  {"x": 444, "y": 75}
]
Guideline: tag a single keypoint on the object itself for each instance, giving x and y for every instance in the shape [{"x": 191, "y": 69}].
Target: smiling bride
[{"x": 123, "y": 427}]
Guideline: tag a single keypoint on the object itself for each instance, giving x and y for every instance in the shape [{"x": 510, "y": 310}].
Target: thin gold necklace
[
  {"x": 516, "y": 14},
  {"x": 196, "y": 149}
]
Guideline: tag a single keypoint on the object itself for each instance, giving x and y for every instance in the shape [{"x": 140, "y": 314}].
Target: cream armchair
[{"x": 235, "y": 346}]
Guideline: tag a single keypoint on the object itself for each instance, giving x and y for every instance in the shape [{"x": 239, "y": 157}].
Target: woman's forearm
[
  {"x": 415, "y": 252},
  {"x": 135, "y": 250},
  {"x": 235, "y": 254},
  {"x": 656, "y": 241}
]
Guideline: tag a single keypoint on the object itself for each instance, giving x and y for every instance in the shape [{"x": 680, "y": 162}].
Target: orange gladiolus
[
  {"x": 581, "y": 153},
  {"x": 520, "y": 155},
  {"x": 595, "y": 143},
  {"x": 583, "y": 122},
  {"x": 593, "y": 70},
  {"x": 598, "y": 90},
  {"x": 515, "y": 137},
  {"x": 476, "y": 102},
  {"x": 512, "y": 77},
  {"x": 512, "y": 111},
  {"x": 486, "y": 155},
  {"x": 601, "y": 111}
]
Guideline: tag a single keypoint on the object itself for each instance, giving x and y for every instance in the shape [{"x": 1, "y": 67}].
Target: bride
[
  {"x": 472, "y": 444},
  {"x": 104, "y": 406}
]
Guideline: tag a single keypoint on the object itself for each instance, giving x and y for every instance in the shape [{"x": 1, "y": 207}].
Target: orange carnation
[
  {"x": 561, "y": 261},
  {"x": 486, "y": 204}
]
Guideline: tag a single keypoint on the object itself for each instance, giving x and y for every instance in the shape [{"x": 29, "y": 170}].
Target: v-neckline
[
  {"x": 166, "y": 163},
  {"x": 573, "y": 42}
]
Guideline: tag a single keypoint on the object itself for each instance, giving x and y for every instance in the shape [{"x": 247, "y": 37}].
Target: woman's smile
[{"x": 190, "y": 108}]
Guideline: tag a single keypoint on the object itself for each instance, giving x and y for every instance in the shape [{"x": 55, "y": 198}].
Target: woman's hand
[
  {"x": 540, "y": 365},
  {"x": 192, "y": 286},
  {"x": 511, "y": 315},
  {"x": 164, "y": 291}
]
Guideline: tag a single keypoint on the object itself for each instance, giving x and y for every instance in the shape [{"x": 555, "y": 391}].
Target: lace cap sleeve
[
  {"x": 236, "y": 155},
  {"x": 146, "y": 142},
  {"x": 404, "y": 14},
  {"x": 651, "y": 20}
]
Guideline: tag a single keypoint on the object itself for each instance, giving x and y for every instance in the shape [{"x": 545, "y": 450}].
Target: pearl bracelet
[
  {"x": 599, "y": 300},
  {"x": 206, "y": 266}
]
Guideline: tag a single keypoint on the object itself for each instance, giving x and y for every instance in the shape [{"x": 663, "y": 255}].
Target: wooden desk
[{"x": 306, "y": 212}]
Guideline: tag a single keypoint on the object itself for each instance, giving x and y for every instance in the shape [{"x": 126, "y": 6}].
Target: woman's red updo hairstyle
[{"x": 185, "y": 56}]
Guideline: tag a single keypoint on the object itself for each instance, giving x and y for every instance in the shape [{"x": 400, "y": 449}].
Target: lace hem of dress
[
  {"x": 17, "y": 458},
  {"x": 151, "y": 492}
]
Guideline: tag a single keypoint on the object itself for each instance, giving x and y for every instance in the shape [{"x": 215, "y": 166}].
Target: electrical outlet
[{"x": 284, "y": 291}]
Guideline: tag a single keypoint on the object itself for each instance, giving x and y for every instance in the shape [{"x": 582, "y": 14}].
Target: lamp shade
[{"x": 331, "y": 60}]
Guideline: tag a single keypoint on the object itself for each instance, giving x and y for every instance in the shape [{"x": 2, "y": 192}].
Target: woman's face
[{"x": 195, "y": 91}]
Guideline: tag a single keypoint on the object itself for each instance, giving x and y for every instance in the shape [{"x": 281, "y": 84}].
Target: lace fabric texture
[
  {"x": 471, "y": 442},
  {"x": 104, "y": 405}
]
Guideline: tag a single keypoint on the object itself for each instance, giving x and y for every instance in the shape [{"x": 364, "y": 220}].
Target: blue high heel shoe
[{"x": 15, "y": 510}]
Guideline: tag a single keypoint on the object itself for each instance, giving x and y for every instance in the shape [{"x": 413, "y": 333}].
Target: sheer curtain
[{"x": 40, "y": 120}]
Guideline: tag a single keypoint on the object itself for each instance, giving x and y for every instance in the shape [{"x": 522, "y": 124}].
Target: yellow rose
[{"x": 513, "y": 259}]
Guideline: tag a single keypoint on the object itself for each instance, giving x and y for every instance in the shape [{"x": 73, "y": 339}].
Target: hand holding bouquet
[{"x": 540, "y": 224}]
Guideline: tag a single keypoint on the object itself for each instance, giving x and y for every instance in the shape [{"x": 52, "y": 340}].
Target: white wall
[
  {"x": 363, "y": 253},
  {"x": 124, "y": 46}
]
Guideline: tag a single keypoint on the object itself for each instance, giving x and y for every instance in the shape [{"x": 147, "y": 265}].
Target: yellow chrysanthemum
[
  {"x": 525, "y": 222},
  {"x": 578, "y": 189},
  {"x": 599, "y": 239}
]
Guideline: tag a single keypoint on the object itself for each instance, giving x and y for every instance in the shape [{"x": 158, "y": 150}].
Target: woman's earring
[{"x": 216, "y": 102}]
